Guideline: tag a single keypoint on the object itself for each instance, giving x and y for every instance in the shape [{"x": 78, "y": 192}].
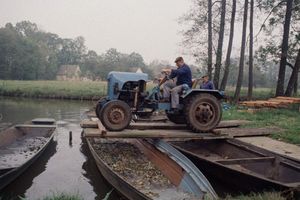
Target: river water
[{"x": 63, "y": 167}]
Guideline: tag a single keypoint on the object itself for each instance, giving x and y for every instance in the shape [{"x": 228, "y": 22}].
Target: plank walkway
[
  {"x": 93, "y": 132},
  {"x": 94, "y": 128},
  {"x": 159, "y": 125}
]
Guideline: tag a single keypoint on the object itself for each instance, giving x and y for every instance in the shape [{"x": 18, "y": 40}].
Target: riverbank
[
  {"x": 286, "y": 121},
  {"x": 79, "y": 90},
  {"x": 75, "y": 90}
]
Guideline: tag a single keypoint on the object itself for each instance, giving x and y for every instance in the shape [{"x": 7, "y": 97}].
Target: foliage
[
  {"x": 28, "y": 53},
  {"x": 275, "y": 10}
]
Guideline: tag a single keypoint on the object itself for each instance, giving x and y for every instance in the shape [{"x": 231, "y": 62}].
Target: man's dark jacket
[{"x": 183, "y": 74}]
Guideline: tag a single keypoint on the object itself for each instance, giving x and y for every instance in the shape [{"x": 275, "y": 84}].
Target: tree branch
[
  {"x": 263, "y": 24},
  {"x": 289, "y": 64}
]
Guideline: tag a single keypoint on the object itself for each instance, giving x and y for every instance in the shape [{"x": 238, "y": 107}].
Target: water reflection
[
  {"x": 24, "y": 181},
  {"x": 66, "y": 168}
]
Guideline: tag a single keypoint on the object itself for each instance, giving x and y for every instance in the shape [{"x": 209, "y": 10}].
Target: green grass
[
  {"x": 285, "y": 119},
  {"x": 53, "y": 89},
  {"x": 258, "y": 93},
  {"x": 258, "y": 196},
  {"x": 63, "y": 197}
]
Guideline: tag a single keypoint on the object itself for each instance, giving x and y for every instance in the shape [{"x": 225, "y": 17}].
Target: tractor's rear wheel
[
  {"x": 115, "y": 115},
  {"x": 177, "y": 119},
  {"x": 203, "y": 112}
]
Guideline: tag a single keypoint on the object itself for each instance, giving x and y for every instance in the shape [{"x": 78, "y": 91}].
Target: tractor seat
[{"x": 195, "y": 82}]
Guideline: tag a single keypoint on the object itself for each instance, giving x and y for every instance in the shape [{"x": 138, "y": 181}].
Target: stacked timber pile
[{"x": 278, "y": 102}]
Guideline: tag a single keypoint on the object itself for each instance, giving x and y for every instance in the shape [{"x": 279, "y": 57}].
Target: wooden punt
[
  {"x": 125, "y": 176},
  {"x": 20, "y": 146},
  {"x": 244, "y": 167}
]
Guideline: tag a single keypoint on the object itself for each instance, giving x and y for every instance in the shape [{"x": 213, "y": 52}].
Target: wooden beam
[
  {"x": 93, "y": 132},
  {"x": 165, "y": 126},
  {"x": 172, "y": 126},
  {"x": 34, "y": 126},
  {"x": 238, "y": 161}
]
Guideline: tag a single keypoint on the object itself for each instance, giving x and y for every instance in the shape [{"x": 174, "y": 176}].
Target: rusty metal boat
[
  {"x": 139, "y": 169},
  {"x": 21, "y": 145},
  {"x": 244, "y": 167}
]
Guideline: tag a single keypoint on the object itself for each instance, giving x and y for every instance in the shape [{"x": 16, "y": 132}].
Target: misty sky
[{"x": 148, "y": 27}]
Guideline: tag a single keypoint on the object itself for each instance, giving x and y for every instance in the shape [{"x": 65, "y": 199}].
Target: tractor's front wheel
[
  {"x": 203, "y": 112},
  {"x": 115, "y": 115},
  {"x": 99, "y": 107}
]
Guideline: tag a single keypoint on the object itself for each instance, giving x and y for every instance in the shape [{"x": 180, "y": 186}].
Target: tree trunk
[
  {"x": 294, "y": 77},
  {"x": 296, "y": 87},
  {"x": 210, "y": 43},
  {"x": 229, "y": 48},
  {"x": 284, "y": 48},
  {"x": 250, "y": 80},
  {"x": 242, "y": 55},
  {"x": 220, "y": 45}
]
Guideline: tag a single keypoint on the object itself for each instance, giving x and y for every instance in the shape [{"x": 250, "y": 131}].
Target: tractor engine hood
[
  {"x": 123, "y": 77},
  {"x": 118, "y": 79}
]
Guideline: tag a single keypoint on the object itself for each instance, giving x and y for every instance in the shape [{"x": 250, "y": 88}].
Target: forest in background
[
  {"x": 28, "y": 53},
  {"x": 269, "y": 57}
]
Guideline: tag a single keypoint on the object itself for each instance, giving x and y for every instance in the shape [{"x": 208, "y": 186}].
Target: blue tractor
[{"x": 127, "y": 95}]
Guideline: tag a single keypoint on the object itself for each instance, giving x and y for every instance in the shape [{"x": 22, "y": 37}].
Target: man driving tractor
[{"x": 184, "y": 79}]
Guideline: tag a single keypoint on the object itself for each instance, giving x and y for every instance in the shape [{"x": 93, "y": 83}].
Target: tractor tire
[
  {"x": 176, "y": 119},
  {"x": 99, "y": 106},
  {"x": 203, "y": 112},
  {"x": 115, "y": 115}
]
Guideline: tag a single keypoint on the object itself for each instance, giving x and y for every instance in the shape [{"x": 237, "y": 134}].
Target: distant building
[
  {"x": 68, "y": 73},
  {"x": 139, "y": 70}
]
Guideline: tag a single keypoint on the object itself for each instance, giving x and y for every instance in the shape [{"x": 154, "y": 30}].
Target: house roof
[{"x": 68, "y": 70}]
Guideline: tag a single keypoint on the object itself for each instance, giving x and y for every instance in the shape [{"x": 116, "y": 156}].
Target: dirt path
[{"x": 276, "y": 146}]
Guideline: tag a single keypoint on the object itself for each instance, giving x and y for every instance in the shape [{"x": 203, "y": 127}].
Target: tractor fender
[{"x": 218, "y": 94}]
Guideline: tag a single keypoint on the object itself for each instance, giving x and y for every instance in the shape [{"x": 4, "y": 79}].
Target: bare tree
[
  {"x": 229, "y": 48},
  {"x": 210, "y": 42},
  {"x": 284, "y": 48},
  {"x": 220, "y": 45},
  {"x": 242, "y": 54},
  {"x": 294, "y": 77},
  {"x": 250, "y": 76}
]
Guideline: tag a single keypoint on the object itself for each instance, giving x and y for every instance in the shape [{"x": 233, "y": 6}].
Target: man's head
[
  {"x": 205, "y": 78},
  {"x": 179, "y": 62}
]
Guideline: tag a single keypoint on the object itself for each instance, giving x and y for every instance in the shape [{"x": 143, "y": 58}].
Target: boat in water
[
  {"x": 243, "y": 166},
  {"x": 139, "y": 169},
  {"x": 21, "y": 145}
]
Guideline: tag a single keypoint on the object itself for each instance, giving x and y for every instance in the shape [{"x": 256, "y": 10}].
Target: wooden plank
[
  {"x": 167, "y": 125},
  {"x": 86, "y": 123},
  {"x": 238, "y": 161},
  {"x": 34, "y": 126},
  {"x": 92, "y": 132},
  {"x": 170, "y": 125},
  {"x": 101, "y": 128},
  {"x": 43, "y": 121},
  {"x": 282, "y": 100},
  {"x": 295, "y": 99},
  {"x": 246, "y": 132}
]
